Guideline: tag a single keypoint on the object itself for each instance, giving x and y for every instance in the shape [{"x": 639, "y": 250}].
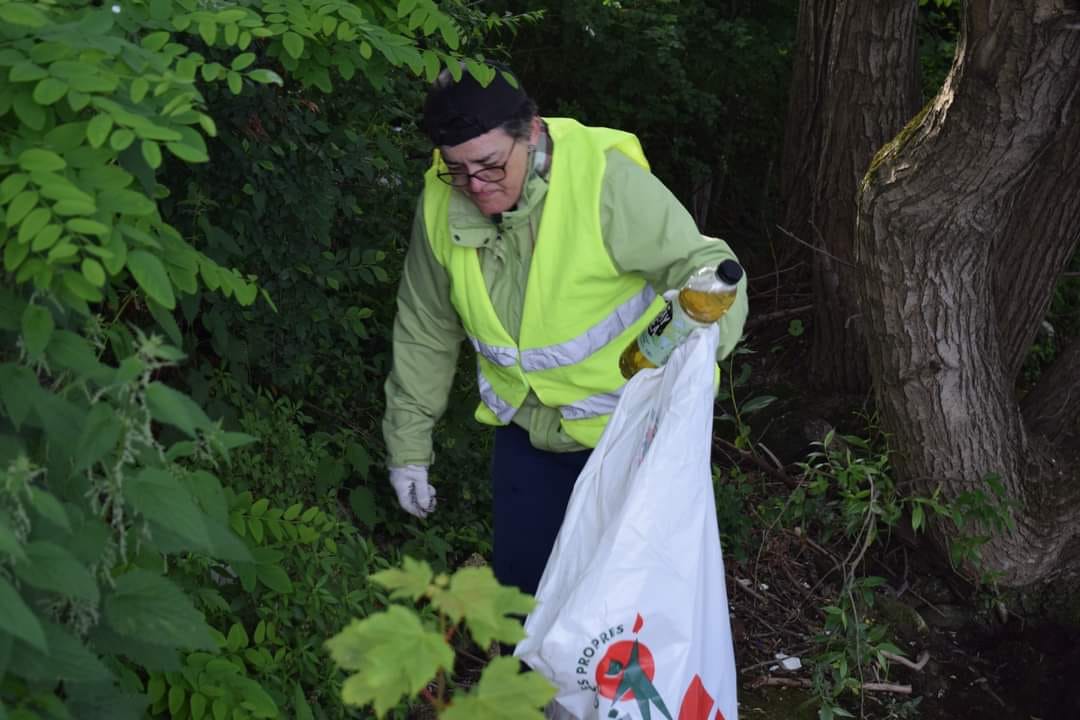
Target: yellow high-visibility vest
[{"x": 580, "y": 312}]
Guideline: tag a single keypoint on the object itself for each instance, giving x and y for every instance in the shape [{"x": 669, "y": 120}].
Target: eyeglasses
[{"x": 490, "y": 174}]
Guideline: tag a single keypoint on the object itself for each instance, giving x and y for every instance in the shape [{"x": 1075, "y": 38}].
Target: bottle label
[{"x": 666, "y": 332}]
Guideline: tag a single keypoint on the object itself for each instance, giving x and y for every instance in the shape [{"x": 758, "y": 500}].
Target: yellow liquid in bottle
[
  {"x": 632, "y": 360},
  {"x": 706, "y": 307}
]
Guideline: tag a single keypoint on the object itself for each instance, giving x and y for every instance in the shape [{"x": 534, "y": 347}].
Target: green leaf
[
  {"x": 363, "y": 504},
  {"x": 20, "y": 206},
  {"x": 411, "y": 582},
  {"x": 38, "y": 159},
  {"x": 29, "y": 112},
  {"x": 46, "y": 238},
  {"x": 67, "y": 658},
  {"x": 151, "y": 153},
  {"x": 208, "y": 31},
  {"x": 9, "y": 544},
  {"x": 264, "y": 76},
  {"x": 755, "y": 404},
  {"x": 275, "y": 578},
  {"x": 100, "y": 435},
  {"x": 150, "y": 274},
  {"x": 129, "y": 202},
  {"x": 450, "y": 34},
  {"x": 46, "y": 504},
  {"x": 139, "y": 88},
  {"x": 49, "y": 90},
  {"x": 503, "y": 694},
  {"x": 301, "y": 704},
  {"x": 235, "y": 82},
  {"x": 27, "y": 72},
  {"x": 17, "y": 619},
  {"x": 37, "y": 328},
  {"x": 19, "y": 390},
  {"x": 12, "y": 185},
  {"x": 14, "y": 254},
  {"x": 918, "y": 516},
  {"x": 392, "y": 654},
  {"x": 80, "y": 287},
  {"x": 86, "y": 226},
  {"x": 487, "y": 607},
  {"x": 294, "y": 44},
  {"x": 32, "y": 225},
  {"x": 242, "y": 61},
  {"x": 187, "y": 153},
  {"x": 237, "y": 637},
  {"x": 23, "y": 14},
  {"x": 153, "y": 609},
  {"x": 155, "y": 41},
  {"x": 175, "y": 408},
  {"x": 176, "y": 699},
  {"x": 159, "y": 497},
  {"x": 121, "y": 139},
  {"x": 50, "y": 567},
  {"x": 198, "y": 706},
  {"x": 58, "y": 187},
  {"x": 93, "y": 272}
]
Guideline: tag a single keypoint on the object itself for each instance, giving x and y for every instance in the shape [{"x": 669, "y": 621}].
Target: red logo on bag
[
  {"x": 611, "y": 671},
  {"x": 626, "y": 673}
]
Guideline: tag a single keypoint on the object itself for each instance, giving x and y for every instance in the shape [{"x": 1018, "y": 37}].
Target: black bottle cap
[{"x": 729, "y": 272}]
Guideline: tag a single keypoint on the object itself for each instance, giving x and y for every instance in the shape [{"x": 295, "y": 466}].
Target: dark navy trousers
[{"x": 531, "y": 489}]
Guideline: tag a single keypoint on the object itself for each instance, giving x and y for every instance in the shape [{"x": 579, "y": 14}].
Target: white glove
[{"x": 414, "y": 493}]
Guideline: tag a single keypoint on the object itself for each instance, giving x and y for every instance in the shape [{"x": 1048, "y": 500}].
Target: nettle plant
[
  {"x": 400, "y": 653},
  {"x": 98, "y": 498}
]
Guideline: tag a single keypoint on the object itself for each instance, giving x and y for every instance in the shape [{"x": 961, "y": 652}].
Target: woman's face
[{"x": 491, "y": 151}]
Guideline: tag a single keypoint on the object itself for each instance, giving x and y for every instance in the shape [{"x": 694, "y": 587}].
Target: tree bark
[
  {"x": 1056, "y": 175},
  {"x": 935, "y": 204},
  {"x": 855, "y": 84},
  {"x": 1052, "y": 408}
]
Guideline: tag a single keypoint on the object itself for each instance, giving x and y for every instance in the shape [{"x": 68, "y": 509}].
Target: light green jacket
[{"x": 646, "y": 230}]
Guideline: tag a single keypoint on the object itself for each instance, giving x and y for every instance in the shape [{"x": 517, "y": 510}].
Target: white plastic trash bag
[{"x": 631, "y": 621}]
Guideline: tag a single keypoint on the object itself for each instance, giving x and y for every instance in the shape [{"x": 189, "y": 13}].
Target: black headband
[{"x": 465, "y": 109}]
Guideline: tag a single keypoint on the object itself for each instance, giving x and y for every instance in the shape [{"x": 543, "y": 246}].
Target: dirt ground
[{"x": 968, "y": 663}]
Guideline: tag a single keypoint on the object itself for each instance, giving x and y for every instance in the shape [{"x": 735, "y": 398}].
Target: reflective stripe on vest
[
  {"x": 495, "y": 354},
  {"x": 501, "y": 409},
  {"x": 590, "y": 407},
  {"x": 594, "y": 406},
  {"x": 577, "y": 349}
]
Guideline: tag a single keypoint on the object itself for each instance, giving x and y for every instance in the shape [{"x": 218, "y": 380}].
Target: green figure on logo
[{"x": 635, "y": 681}]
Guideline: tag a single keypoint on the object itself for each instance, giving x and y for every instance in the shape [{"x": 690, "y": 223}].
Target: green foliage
[
  {"x": 397, "y": 653},
  {"x": 848, "y": 497},
  {"x": 118, "y": 539},
  {"x": 732, "y": 384},
  {"x": 733, "y": 497},
  {"x": 939, "y": 28},
  {"x": 702, "y": 84}
]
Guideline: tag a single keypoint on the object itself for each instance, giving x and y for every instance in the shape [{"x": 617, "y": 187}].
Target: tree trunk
[
  {"x": 1038, "y": 205},
  {"x": 855, "y": 84},
  {"x": 935, "y": 204}
]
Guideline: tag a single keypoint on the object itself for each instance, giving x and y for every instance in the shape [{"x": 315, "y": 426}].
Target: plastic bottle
[{"x": 707, "y": 295}]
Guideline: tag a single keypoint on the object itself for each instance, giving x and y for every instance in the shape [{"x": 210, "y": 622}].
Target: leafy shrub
[
  {"x": 107, "y": 510},
  {"x": 398, "y": 653}
]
